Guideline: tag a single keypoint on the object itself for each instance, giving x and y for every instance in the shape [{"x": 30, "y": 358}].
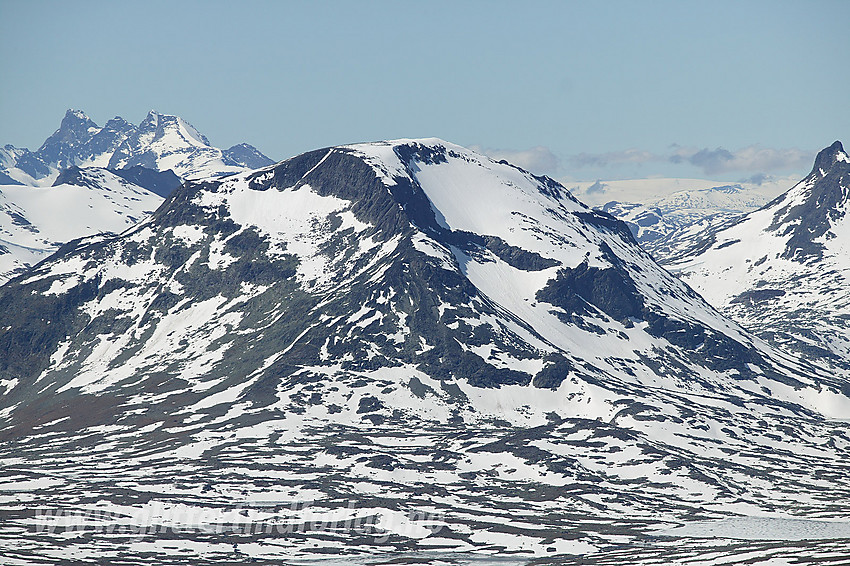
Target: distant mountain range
[
  {"x": 663, "y": 213},
  {"x": 160, "y": 142},
  {"x": 453, "y": 350},
  {"x": 85, "y": 180}
]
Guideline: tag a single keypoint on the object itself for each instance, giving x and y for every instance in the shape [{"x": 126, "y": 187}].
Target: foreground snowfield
[
  {"x": 311, "y": 490},
  {"x": 400, "y": 351}
]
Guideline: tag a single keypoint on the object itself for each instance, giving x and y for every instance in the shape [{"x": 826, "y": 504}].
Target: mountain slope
[
  {"x": 453, "y": 351},
  {"x": 782, "y": 271},
  {"x": 36, "y": 221}
]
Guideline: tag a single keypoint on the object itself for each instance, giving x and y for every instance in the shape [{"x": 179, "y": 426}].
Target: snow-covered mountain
[
  {"x": 410, "y": 345},
  {"x": 664, "y": 213},
  {"x": 160, "y": 142},
  {"x": 91, "y": 180},
  {"x": 783, "y": 271},
  {"x": 36, "y": 221}
]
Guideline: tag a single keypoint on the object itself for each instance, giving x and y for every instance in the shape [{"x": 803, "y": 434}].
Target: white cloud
[
  {"x": 630, "y": 156},
  {"x": 751, "y": 162},
  {"x": 539, "y": 160},
  {"x": 749, "y": 159},
  {"x": 752, "y": 159}
]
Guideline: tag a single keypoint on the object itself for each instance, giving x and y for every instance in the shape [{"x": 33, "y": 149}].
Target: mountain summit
[
  {"x": 159, "y": 142},
  {"x": 407, "y": 332},
  {"x": 829, "y": 156},
  {"x": 70, "y": 142},
  {"x": 812, "y": 209}
]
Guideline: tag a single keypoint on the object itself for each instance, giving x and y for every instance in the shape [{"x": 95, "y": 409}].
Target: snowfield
[{"x": 35, "y": 221}]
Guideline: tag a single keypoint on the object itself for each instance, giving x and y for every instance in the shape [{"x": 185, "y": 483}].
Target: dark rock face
[
  {"x": 162, "y": 183},
  {"x": 758, "y": 295},
  {"x": 5, "y": 179},
  {"x": 73, "y": 176},
  {"x": 63, "y": 148},
  {"x": 828, "y": 157},
  {"x": 347, "y": 177},
  {"x": 27, "y": 342},
  {"x": 512, "y": 255},
  {"x": 556, "y": 370},
  {"x": 829, "y": 189},
  {"x": 32, "y": 164},
  {"x": 577, "y": 289}
]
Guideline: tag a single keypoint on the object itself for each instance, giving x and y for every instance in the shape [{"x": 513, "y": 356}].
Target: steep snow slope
[
  {"x": 35, "y": 221},
  {"x": 451, "y": 351},
  {"x": 783, "y": 271}
]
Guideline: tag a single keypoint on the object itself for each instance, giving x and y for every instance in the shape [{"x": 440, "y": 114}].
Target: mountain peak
[
  {"x": 829, "y": 156},
  {"x": 151, "y": 119},
  {"x": 170, "y": 124},
  {"x": 73, "y": 113},
  {"x": 246, "y": 155},
  {"x": 75, "y": 130},
  {"x": 74, "y": 119},
  {"x": 810, "y": 209}
]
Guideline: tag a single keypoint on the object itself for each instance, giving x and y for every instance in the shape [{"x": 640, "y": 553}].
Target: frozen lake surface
[{"x": 763, "y": 528}]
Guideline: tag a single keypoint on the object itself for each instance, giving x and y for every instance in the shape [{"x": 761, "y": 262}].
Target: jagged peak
[
  {"x": 78, "y": 114},
  {"x": 76, "y": 128},
  {"x": 118, "y": 120},
  {"x": 151, "y": 119},
  {"x": 806, "y": 212},
  {"x": 74, "y": 119},
  {"x": 829, "y": 156},
  {"x": 158, "y": 121}
]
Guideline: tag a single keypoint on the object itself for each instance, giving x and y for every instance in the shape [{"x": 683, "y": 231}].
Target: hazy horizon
[{"x": 727, "y": 91}]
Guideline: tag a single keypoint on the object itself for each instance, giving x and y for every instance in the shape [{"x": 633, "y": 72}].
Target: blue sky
[{"x": 580, "y": 90}]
